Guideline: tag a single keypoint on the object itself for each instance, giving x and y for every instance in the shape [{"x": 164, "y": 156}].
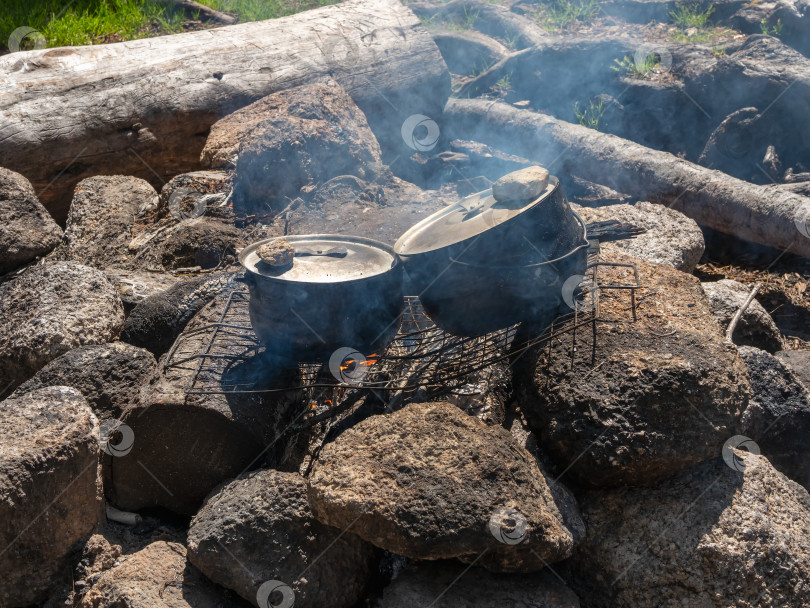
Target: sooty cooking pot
[
  {"x": 482, "y": 265},
  {"x": 339, "y": 291}
]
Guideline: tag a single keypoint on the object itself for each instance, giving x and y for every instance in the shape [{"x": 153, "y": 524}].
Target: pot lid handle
[{"x": 333, "y": 252}]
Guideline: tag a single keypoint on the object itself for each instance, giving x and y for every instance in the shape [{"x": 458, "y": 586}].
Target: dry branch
[
  {"x": 768, "y": 216},
  {"x": 206, "y": 11},
  {"x": 144, "y": 107},
  {"x": 741, "y": 311}
]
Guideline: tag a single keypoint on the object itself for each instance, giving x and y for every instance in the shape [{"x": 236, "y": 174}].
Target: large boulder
[
  {"x": 50, "y": 309},
  {"x": 432, "y": 482},
  {"x": 102, "y": 213},
  {"x": 710, "y": 536},
  {"x": 647, "y": 398},
  {"x": 671, "y": 237},
  {"x": 755, "y": 328},
  {"x": 158, "y": 576},
  {"x": 109, "y": 376},
  {"x": 185, "y": 444},
  {"x": 453, "y": 585},
  {"x": 291, "y": 139},
  {"x": 26, "y": 229},
  {"x": 778, "y": 415},
  {"x": 50, "y": 495},
  {"x": 259, "y": 528}
]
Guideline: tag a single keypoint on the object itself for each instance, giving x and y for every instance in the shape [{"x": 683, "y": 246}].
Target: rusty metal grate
[{"x": 420, "y": 359}]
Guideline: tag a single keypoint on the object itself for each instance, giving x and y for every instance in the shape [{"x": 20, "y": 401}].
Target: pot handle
[{"x": 334, "y": 252}]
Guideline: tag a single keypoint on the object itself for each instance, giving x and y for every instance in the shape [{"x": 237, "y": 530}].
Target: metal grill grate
[{"x": 421, "y": 358}]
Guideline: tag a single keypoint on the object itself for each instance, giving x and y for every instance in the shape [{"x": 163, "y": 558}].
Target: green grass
[
  {"x": 709, "y": 35},
  {"x": 505, "y": 82},
  {"x": 65, "y": 23},
  {"x": 511, "y": 40},
  {"x": 559, "y": 14},
  {"x": 691, "y": 14},
  {"x": 591, "y": 116},
  {"x": 635, "y": 70},
  {"x": 776, "y": 30},
  {"x": 477, "y": 71}
]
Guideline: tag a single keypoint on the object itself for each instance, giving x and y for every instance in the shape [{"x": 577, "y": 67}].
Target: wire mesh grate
[{"x": 421, "y": 357}]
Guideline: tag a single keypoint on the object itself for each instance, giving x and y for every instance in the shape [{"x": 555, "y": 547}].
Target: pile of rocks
[{"x": 613, "y": 477}]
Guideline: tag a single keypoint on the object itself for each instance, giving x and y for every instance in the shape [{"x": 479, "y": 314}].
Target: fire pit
[{"x": 422, "y": 361}]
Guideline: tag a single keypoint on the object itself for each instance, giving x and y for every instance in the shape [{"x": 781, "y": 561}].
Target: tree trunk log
[
  {"x": 768, "y": 216},
  {"x": 144, "y": 107}
]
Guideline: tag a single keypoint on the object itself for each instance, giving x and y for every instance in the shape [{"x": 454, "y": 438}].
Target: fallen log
[
  {"x": 768, "y": 216},
  {"x": 700, "y": 88},
  {"x": 144, "y": 107}
]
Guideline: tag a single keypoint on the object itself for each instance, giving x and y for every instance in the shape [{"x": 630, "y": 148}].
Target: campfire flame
[
  {"x": 314, "y": 406},
  {"x": 350, "y": 363}
]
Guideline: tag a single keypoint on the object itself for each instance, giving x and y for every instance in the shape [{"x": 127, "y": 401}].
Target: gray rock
[
  {"x": 195, "y": 194},
  {"x": 671, "y": 237},
  {"x": 26, "y": 229},
  {"x": 158, "y": 576},
  {"x": 205, "y": 242},
  {"x": 291, "y": 139},
  {"x": 710, "y": 536},
  {"x": 662, "y": 393},
  {"x": 155, "y": 323},
  {"x": 277, "y": 252},
  {"x": 50, "y": 498},
  {"x": 50, "y": 309},
  {"x": 799, "y": 362},
  {"x": 521, "y": 185},
  {"x": 259, "y": 528},
  {"x": 431, "y": 482},
  {"x": 452, "y": 585},
  {"x": 778, "y": 415},
  {"x": 109, "y": 376},
  {"x": 102, "y": 213},
  {"x": 755, "y": 328}
]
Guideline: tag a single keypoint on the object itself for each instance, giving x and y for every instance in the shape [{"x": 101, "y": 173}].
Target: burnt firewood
[{"x": 613, "y": 230}]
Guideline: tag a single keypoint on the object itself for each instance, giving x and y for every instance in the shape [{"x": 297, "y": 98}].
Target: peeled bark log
[
  {"x": 763, "y": 215},
  {"x": 144, "y": 107}
]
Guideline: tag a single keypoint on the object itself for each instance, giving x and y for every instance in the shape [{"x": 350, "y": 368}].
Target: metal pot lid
[
  {"x": 463, "y": 220},
  {"x": 324, "y": 258}
]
